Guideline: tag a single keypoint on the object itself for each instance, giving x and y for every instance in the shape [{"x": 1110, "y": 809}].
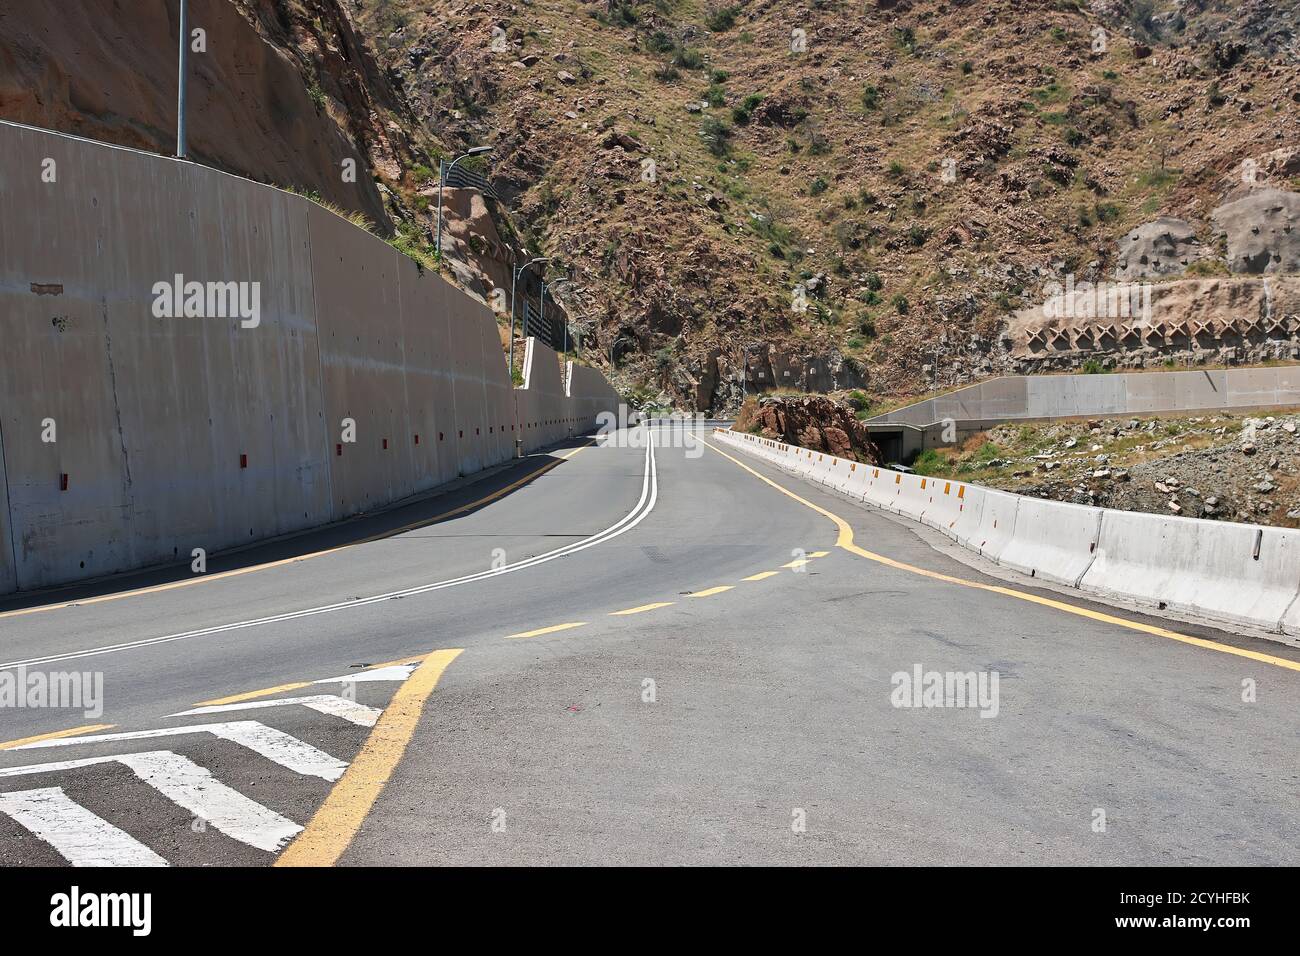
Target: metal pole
[
  {"x": 541, "y": 307},
  {"x": 180, "y": 89},
  {"x": 514, "y": 279},
  {"x": 442, "y": 178}
]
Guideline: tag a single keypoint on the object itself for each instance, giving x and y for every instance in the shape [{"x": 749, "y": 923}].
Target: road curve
[{"x": 663, "y": 658}]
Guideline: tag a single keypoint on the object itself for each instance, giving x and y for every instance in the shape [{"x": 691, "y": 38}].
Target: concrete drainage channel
[{"x": 1233, "y": 574}]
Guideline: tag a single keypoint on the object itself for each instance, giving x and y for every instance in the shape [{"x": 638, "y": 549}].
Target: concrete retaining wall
[
  {"x": 198, "y": 432},
  {"x": 1225, "y": 573},
  {"x": 1026, "y": 397}
]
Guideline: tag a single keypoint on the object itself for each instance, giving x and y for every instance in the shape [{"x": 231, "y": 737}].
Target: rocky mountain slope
[{"x": 832, "y": 195}]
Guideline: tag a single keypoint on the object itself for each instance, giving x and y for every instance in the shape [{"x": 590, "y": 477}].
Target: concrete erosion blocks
[
  {"x": 1052, "y": 540},
  {"x": 1229, "y": 572}
]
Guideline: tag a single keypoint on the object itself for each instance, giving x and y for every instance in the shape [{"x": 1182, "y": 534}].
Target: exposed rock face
[
  {"x": 1261, "y": 231},
  {"x": 1164, "y": 247},
  {"x": 814, "y": 422}
]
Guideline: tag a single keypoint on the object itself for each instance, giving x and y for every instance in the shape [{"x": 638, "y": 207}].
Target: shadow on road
[{"x": 454, "y": 499}]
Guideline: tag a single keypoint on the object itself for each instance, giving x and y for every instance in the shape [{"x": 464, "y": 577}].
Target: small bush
[
  {"x": 688, "y": 59},
  {"x": 660, "y": 42},
  {"x": 716, "y": 135},
  {"x": 722, "y": 19}
]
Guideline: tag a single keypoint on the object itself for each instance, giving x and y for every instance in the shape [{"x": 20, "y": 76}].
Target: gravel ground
[{"x": 1225, "y": 467}]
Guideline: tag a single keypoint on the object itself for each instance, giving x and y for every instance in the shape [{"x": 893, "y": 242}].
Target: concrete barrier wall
[
  {"x": 8, "y": 579},
  {"x": 1225, "y": 573},
  {"x": 1232, "y": 572},
  {"x": 176, "y": 433},
  {"x": 1015, "y": 397}
]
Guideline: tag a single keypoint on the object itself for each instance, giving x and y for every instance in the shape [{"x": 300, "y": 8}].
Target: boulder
[
  {"x": 814, "y": 422},
  {"x": 1260, "y": 229},
  {"x": 1166, "y": 246}
]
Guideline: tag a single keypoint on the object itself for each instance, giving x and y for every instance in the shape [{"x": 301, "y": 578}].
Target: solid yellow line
[
  {"x": 75, "y": 731},
  {"x": 334, "y": 825},
  {"x": 761, "y": 575},
  {"x": 203, "y": 578},
  {"x": 643, "y": 607},
  {"x": 797, "y": 563},
  {"x": 252, "y": 694},
  {"x": 819, "y": 554},
  {"x": 548, "y": 630},
  {"x": 845, "y": 541},
  {"x": 712, "y": 591}
]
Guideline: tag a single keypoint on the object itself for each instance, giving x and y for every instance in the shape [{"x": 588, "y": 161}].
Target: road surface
[{"x": 621, "y": 654}]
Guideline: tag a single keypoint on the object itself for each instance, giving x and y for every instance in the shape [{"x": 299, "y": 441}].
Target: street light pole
[
  {"x": 443, "y": 172},
  {"x": 514, "y": 280},
  {"x": 180, "y": 88}
]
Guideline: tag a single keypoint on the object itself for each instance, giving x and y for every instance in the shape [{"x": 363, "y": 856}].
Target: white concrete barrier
[
  {"x": 997, "y": 523},
  {"x": 1238, "y": 573},
  {"x": 1052, "y": 540}
]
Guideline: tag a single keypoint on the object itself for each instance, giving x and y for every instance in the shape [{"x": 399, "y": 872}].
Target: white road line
[
  {"x": 392, "y": 672},
  {"x": 635, "y": 516},
  {"x": 79, "y": 836},
  {"x": 350, "y": 710},
  {"x": 270, "y": 743},
  {"x": 185, "y": 783}
]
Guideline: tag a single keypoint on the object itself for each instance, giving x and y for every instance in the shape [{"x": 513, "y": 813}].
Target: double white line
[{"x": 649, "y": 495}]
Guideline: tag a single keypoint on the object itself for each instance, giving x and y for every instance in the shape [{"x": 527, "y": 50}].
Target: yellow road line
[
  {"x": 548, "y": 630},
  {"x": 75, "y": 731},
  {"x": 845, "y": 541},
  {"x": 643, "y": 607},
  {"x": 235, "y": 572},
  {"x": 819, "y": 554},
  {"x": 332, "y": 828},
  {"x": 712, "y": 591},
  {"x": 797, "y": 563},
  {"x": 252, "y": 694},
  {"x": 761, "y": 575}
]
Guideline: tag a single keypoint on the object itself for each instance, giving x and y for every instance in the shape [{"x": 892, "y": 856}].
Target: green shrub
[
  {"x": 688, "y": 59},
  {"x": 721, "y": 19},
  {"x": 716, "y": 135}
]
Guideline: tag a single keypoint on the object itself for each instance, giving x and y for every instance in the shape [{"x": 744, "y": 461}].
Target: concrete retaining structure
[
  {"x": 363, "y": 380},
  {"x": 1234, "y": 574},
  {"x": 1031, "y": 397}
]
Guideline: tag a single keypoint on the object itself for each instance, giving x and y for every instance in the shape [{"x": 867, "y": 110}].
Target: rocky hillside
[{"x": 832, "y": 195}]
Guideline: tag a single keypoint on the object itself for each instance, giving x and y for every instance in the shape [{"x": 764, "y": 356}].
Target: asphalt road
[{"x": 744, "y": 712}]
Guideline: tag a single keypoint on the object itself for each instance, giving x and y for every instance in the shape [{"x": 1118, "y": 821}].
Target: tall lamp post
[
  {"x": 514, "y": 279},
  {"x": 444, "y": 170}
]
